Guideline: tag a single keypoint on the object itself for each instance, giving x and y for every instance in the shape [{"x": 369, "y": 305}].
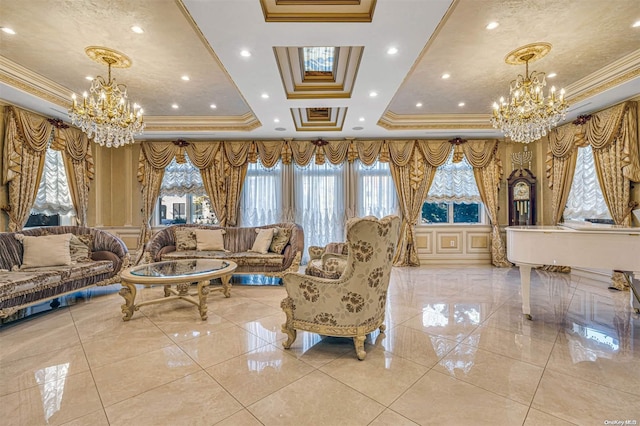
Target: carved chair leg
[
  {"x": 358, "y": 341},
  {"x": 287, "y": 327}
]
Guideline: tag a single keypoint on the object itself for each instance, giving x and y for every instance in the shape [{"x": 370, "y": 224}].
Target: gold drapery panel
[
  {"x": 613, "y": 135},
  {"x": 412, "y": 181},
  {"x": 25, "y": 143},
  {"x": 79, "y": 165},
  {"x": 487, "y": 170},
  {"x": 560, "y": 167}
]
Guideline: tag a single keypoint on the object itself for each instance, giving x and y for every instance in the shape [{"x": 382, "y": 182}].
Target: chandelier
[
  {"x": 527, "y": 115},
  {"x": 105, "y": 113}
]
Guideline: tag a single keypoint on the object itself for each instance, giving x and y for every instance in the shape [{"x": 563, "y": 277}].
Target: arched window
[{"x": 585, "y": 200}]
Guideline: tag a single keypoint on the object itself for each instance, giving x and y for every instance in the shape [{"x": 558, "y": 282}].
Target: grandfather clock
[{"x": 522, "y": 197}]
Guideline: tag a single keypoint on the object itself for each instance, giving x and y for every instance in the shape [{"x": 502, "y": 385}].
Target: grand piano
[{"x": 587, "y": 246}]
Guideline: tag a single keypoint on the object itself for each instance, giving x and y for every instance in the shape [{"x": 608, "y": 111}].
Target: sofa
[
  {"x": 238, "y": 242},
  {"x": 23, "y": 283},
  {"x": 327, "y": 262}
]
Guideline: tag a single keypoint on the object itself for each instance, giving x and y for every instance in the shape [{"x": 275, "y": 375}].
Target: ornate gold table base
[{"x": 129, "y": 291}]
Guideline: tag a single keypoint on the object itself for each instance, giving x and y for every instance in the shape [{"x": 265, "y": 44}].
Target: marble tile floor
[{"x": 457, "y": 351}]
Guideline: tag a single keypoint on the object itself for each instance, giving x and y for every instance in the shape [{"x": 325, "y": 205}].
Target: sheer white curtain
[
  {"x": 585, "y": 199},
  {"x": 454, "y": 182},
  {"x": 261, "y": 198},
  {"x": 181, "y": 178},
  {"x": 375, "y": 191},
  {"x": 320, "y": 203},
  {"x": 53, "y": 193}
]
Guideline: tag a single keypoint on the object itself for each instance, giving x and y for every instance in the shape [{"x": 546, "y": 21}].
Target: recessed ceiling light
[
  {"x": 373, "y": 94},
  {"x": 276, "y": 120},
  {"x": 635, "y": 24},
  {"x": 175, "y": 106},
  {"x": 264, "y": 96},
  {"x": 136, "y": 29},
  {"x": 461, "y": 104},
  {"x": 551, "y": 75},
  {"x": 213, "y": 106},
  {"x": 419, "y": 104},
  {"x": 492, "y": 25},
  {"x": 185, "y": 78},
  {"x": 245, "y": 53},
  {"x": 361, "y": 119},
  {"x": 392, "y": 51},
  {"x": 445, "y": 76},
  {"x": 90, "y": 78},
  {"x": 8, "y": 30}
]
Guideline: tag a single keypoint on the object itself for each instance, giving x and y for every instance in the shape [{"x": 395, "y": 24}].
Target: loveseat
[
  {"x": 23, "y": 284},
  {"x": 238, "y": 242}
]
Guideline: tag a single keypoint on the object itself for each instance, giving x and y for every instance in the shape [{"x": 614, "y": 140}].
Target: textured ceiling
[{"x": 596, "y": 54}]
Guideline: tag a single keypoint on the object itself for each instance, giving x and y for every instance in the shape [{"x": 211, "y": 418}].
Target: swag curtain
[
  {"x": 27, "y": 138},
  {"x": 613, "y": 136},
  {"x": 487, "y": 169},
  {"x": 79, "y": 165}
]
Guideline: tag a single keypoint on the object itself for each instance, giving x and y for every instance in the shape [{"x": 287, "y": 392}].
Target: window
[
  {"x": 320, "y": 203},
  {"x": 183, "y": 198},
  {"x": 453, "y": 197},
  {"x": 261, "y": 198},
  {"x": 375, "y": 190},
  {"x": 585, "y": 200},
  {"x": 53, "y": 205}
]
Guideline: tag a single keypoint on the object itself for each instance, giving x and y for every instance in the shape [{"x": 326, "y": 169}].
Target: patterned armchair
[{"x": 354, "y": 304}]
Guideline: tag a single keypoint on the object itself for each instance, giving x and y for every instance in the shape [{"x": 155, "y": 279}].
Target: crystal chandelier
[
  {"x": 105, "y": 113},
  {"x": 528, "y": 114}
]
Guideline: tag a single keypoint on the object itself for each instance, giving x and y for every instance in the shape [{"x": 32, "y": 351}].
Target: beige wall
[{"x": 4, "y": 194}]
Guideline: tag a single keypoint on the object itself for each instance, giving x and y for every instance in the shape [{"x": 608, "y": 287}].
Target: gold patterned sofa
[
  {"x": 238, "y": 242},
  {"x": 354, "y": 304},
  {"x": 328, "y": 261},
  {"x": 23, "y": 283}
]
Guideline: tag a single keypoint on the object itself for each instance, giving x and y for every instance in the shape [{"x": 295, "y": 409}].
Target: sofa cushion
[
  {"x": 185, "y": 239},
  {"x": 46, "y": 250},
  {"x": 263, "y": 241},
  {"x": 209, "y": 239},
  {"x": 280, "y": 240},
  {"x": 79, "y": 251},
  {"x": 18, "y": 284}
]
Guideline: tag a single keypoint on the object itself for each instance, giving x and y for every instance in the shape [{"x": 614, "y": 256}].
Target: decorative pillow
[
  {"x": 263, "y": 241},
  {"x": 185, "y": 239},
  {"x": 280, "y": 240},
  {"x": 48, "y": 250},
  {"x": 207, "y": 239},
  {"x": 79, "y": 251},
  {"x": 86, "y": 239}
]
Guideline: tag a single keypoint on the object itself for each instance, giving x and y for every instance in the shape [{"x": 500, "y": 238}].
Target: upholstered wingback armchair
[{"x": 354, "y": 304}]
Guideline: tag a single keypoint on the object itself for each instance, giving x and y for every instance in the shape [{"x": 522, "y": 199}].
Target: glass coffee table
[{"x": 181, "y": 273}]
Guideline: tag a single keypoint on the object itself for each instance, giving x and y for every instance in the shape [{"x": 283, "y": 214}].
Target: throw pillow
[
  {"x": 185, "y": 239},
  {"x": 47, "y": 250},
  {"x": 86, "y": 239},
  {"x": 280, "y": 240},
  {"x": 210, "y": 239},
  {"x": 79, "y": 251},
  {"x": 263, "y": 241}
]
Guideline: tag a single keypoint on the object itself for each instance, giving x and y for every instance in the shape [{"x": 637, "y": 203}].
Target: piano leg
[{"x": 525, "y": 288}]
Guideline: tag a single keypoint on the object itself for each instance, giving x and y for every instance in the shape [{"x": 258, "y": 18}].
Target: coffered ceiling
[{"x": 231, "y": 95}]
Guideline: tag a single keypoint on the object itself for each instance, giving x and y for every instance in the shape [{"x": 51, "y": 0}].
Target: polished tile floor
[{"x": 457, "y": 351}]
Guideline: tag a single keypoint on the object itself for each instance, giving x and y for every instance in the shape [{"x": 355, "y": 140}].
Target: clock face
[{"x": 521, "y": 191}]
